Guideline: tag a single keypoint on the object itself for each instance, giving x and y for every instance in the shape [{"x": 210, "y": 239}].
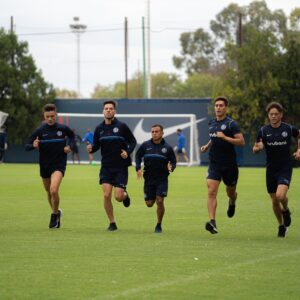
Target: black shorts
[
  {"x": 46, "y": 171},
  {"x": 276, "y": 177},
  {"x": 117, "y": 177},
  {"x": 152, "y": 190},
  {"x": 228, "y": 173}
]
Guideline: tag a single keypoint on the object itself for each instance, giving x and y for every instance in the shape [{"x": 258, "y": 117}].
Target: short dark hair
[
  {"x": 158, "y": 125},
  {"x": 110, "y": 102},
  {"x": 276, "y": 105},
  {"x": 49, "y": 107},
  {"x": 179, "y": 130},
  {"x": 222, "y": 98}
]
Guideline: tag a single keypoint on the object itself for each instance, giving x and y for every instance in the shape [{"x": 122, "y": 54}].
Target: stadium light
[{"x": 78, "y": 29}]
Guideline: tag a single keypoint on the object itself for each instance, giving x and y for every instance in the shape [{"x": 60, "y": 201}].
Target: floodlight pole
[{"x": 78, "y": 29}]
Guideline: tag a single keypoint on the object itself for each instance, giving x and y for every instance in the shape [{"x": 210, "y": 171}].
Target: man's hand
[
  {"x": 258, "y": 146},
  {"x": 124, "y": 154},
  {"x": 67, "y": 149},
  {"x": 139, "y": 174},
  {"x": 36, "y": 143},
  {"x": 297, "y": 154}
]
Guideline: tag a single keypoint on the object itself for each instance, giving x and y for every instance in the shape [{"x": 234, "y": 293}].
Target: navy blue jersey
[
  {"x": 221, "y": 151},
  {"x": 53, "y": 139},
  {"x": 277, "y": 142},
  {"x": 112, "y": 138},
  {"x": 156, "y": 158}
]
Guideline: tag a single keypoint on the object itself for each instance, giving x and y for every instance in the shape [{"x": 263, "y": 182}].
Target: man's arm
[
  {"x": 297, "y": 153},
  {"x": 204, "y": 148},
  {"x": 237, "y": 140}
]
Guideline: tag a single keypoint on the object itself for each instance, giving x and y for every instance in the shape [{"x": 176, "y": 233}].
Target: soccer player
[
  {"x": 276, "y": 138},
  {"x": 180, "y": 148},
  {"x": 50, "y": 139},
  {"x": 224, "y": 134},
  {"x": 117, "y": 143},
  {"x": 159, "y": 160}
]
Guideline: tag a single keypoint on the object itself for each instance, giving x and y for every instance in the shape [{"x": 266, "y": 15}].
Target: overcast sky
[{"x": 102, "y": 45}]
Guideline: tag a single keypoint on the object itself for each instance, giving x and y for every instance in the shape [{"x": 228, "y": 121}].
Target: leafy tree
[
  {"x": 23, "y": 91},
  {"x": 198, "y": 86},
  {"x": 64, "y": 93}
]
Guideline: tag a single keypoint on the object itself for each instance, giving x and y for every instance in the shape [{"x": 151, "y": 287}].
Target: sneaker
[
  {"x": 60, "y": 213},
  {"x": 282, "y": 230},
  {"x": 126, "y": 202},
  {"x": 286, "y": 214},
  {"x": 112, "y": 227},
  {"x": 158, "y": 229},
  {"x": 54, "y": 220},
  {"x": 209, "y": 226},
  {"x": 230, "y": 210}
]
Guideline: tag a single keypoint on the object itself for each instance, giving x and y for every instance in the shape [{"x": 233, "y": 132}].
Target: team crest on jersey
[
  {"x": 223, "y": 127},
  {"x": 59, "y": 133},
  {"x": 284, "y": 134},
  {"x": 116, "y": 129},
  {"x": 164, "y": 150}
]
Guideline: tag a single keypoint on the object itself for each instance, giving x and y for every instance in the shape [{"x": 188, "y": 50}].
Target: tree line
[{"x": 250, "y": 54}]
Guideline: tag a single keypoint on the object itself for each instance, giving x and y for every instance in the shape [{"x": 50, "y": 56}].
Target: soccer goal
[{"x": 140, "y": 125}]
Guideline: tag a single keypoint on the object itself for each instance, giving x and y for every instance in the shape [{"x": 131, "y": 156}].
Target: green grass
[{"x": 83, "y": 261}]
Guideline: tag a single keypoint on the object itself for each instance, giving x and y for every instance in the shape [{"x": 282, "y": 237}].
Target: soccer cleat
[
  {"x": 112, "y": 227},
  {"x": 60, "y": 213},
  {"x": 209, "y": 226},
  {"x": 286, "y": 214},
  {"x": 158, "y": 228},
  {"x": 54, "y": 221},
  {"x": 282, "y": 230},
  {"x": 230, "y": 210},
  {"x": 126, "y": 202}
]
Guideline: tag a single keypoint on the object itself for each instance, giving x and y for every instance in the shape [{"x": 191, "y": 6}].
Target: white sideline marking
[{"x": 190, "y": 278}]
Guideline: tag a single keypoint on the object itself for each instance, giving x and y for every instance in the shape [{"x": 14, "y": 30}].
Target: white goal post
[{"x": 140, "y": 125}]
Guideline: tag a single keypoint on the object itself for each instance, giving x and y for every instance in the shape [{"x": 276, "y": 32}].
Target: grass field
[{"x": 82, "y": 260}]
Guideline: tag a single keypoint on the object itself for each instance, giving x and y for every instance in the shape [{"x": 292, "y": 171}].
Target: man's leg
[
  {"x": 212, "y": 186},
  {"x": 160, "y": 211},
  {"x": 281, "y": 196},
  {"x": 46, "y": 183},
  {"x": 232, "y": 195},
  {"x": 107, "y": 193},
  {"x": 56, "y": 179}
]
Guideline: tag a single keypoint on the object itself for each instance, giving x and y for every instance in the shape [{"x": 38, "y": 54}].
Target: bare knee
[{"x": 150, "y": 203}]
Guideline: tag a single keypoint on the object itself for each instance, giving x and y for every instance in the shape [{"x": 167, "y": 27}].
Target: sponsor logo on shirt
[
  {"x": 213, "y": 134},
  {"x": 277, "y": 143}
]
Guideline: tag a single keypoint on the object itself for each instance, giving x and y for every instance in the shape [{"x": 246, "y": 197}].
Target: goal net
[{"x": 140, "y": 125}]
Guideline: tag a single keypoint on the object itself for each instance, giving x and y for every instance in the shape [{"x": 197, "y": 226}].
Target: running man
[
  {"x": 50, "y": 140},
  {"x": 276, "y": 138},
  {"x": 224, "y": 134},
  {"x": 159, "y": 160},
  {"x": 117, "y": 143}
]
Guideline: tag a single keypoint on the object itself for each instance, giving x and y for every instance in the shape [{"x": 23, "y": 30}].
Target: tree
[
  {"x": 163, "y": 86},
  {"x": 198, "y": 86},
  {"x": 64, "y": 93},
  {"x": 23, "y": 91}
]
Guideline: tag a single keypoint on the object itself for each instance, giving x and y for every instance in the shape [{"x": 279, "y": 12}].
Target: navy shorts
[
  {"x": 46, "y": 172},
  {"x": 276, "y": 177},
  {"x": 117, "y": 177},
  {"x": 152, "y": 190},
  {"x": 228, "y": 173}
]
